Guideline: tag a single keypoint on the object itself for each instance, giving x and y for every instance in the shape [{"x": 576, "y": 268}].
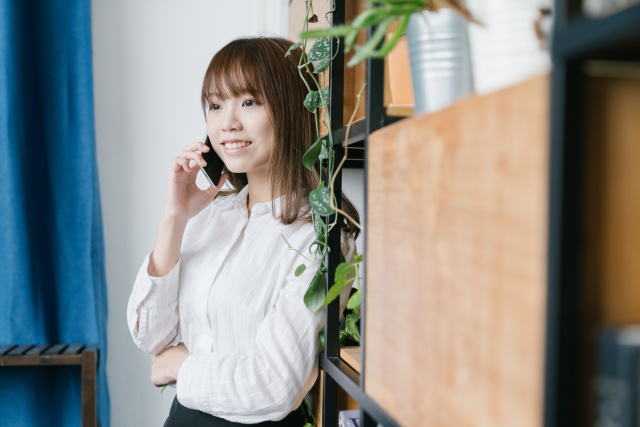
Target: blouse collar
[{"x": 239, "y": 202}]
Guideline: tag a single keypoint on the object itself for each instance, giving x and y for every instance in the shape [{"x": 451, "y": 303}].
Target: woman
[{"x": 217, "y": 299}]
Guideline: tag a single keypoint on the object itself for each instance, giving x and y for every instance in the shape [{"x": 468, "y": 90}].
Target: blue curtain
[{"x": 52, "y": 278}]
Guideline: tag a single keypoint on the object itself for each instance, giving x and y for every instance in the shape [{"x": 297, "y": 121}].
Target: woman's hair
[{"x": 257, "y": 66}]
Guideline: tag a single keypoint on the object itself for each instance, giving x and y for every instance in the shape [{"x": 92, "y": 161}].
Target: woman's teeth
[{"x": 237, "y": 144}]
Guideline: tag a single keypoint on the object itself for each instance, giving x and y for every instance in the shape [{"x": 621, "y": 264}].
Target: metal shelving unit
[{"x": 576, "y": 39}]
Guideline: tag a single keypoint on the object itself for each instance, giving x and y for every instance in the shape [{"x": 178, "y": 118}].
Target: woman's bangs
[{"x": 233, "y": 78}]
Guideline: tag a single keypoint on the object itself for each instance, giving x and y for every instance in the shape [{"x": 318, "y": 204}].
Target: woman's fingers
[
  {"x": 182, "y": 163},
  {"x": 192, "y": 155},
  {"x": 197, "y": 146}
]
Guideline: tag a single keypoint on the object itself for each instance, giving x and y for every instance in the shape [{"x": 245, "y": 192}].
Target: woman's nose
[{"x": 231, "y": 121}]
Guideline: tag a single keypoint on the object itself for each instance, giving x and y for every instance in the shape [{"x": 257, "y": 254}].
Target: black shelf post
[{"x": 332, "y": 311}]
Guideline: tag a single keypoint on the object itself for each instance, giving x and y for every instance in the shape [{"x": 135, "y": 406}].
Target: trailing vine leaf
[
  {"x": 321, "y": 338},
  {"x": 318, "y": 225},
  {"x": 355, "y": 300},
  {"x": 312, "y": 154},
  {"x": 321, "y": 65},
  {"x": 301, "y": 268},
  {"x": 314, "y": 296},
  {"x": 343, "y": 271},
  {"x": 312, "y": 101},
  {"x": 292, "y": 48},
  {"x": 319, "y": 201},
  {"x": 350, "y": 326},
  {"x": 342, "y": 336},
  {"x": 357, "y": 258},
  {"x": 321, "y": 49},
  {"x": 324, "y": 154},
  {"x": 324, "y": 99}
]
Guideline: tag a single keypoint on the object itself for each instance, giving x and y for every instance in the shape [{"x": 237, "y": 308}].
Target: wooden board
[
  {"x": 345, "y": 401},
  {"x": 612, "y": 194},
  {"x": 351, "y": 355},
  {"x": 456, "y": 262}
]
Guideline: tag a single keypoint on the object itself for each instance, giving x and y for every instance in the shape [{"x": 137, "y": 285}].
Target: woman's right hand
[{"x": 184, "y": 199}]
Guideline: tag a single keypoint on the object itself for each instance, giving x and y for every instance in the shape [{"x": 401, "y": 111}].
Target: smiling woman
[{"x": 218, "y": 299}]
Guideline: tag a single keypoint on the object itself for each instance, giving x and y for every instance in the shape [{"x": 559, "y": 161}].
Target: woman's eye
[
  {"x": 214, "y": 107},
  {"x": 251, "y": 101}
]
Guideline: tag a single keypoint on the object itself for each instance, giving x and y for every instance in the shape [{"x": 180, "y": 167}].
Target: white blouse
[{"x": 234, "y": 301}]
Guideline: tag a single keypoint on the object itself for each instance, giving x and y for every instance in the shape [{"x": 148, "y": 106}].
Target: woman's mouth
[{"x": 235, "y": 146}]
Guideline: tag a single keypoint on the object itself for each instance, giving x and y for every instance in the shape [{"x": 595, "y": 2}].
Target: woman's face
[{"x": 241, "y": 133}]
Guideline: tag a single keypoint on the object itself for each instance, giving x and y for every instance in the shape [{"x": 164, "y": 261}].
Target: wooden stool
[{"x": 61, "y": 354}]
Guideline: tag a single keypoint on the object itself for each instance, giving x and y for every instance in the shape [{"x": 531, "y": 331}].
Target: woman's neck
[{"x": 259, "y": 189}]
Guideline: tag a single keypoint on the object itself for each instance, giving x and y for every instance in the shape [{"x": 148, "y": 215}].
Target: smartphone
[{"x": 213, "y": 169}]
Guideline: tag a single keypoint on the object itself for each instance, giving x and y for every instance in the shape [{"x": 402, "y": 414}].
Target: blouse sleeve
[
  {"x": 159, "y": 317},
  {"x": 272, "y": 381}
]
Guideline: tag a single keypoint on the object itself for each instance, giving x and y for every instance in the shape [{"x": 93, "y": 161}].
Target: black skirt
[{"x": 181, "y": 416}]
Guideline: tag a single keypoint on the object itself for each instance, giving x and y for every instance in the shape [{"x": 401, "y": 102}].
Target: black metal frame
[
  {"x": 576, "y": 39},
  {"x": 337, "y": 372}
]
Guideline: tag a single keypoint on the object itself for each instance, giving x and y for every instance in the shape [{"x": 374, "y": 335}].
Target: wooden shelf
[
  {"x": 400, "y": 110},
  {"x": 351, "y": 355},
  {"x": 456, "y": 262}
]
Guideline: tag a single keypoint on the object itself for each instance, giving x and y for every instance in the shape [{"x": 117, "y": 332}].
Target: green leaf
[
  {"x": 314, "y": 297},
  {"x": 321, "y": 338},
  {"x": 338, "y": 31},
  {"x": 344, "y": 270},
  {"x": 324, "y": 99},
  {"x": 321, "y": 49},
  {"x": 318, "y": 225},
  {"x": 301, "y": 268},
  {"x": 342, "y": 336},
  {"x": 319, "y": 201},
  {"x": 324, "y": 154},
  {"x": 334, "y": 291},
  {"x": 322, "y": 65},
  {"x": 390, "y": 44},
  {"x": 355, "y": 299},
  {"x": 312, "y": 101},
  {"x": 350, "y": 326},
  {"x": 292, "y": 48},
  {"x": 162, "y": 389},
  {"x": 312, "y": 154},
  {"x": 357, "y": 258},
  {"x": 365, "y": 51}
]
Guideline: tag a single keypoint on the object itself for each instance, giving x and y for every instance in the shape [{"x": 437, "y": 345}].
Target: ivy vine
[{"x": 322, "y": 199}]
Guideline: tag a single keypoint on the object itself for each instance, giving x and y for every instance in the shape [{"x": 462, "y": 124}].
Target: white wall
[{"x": 149, "y": 58}]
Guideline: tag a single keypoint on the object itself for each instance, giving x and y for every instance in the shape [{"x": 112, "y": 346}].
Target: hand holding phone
[
  {"x": 184, "y": 198},
  {"x": 213, "y": 168}
]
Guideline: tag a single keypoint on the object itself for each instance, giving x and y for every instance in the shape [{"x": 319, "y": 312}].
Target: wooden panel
[
  {"x": 351, "y": 355},
  {"x": 456, "y": 262},
  {"x": 345, "y": 401},
  {"x": 613, "y": 199}
]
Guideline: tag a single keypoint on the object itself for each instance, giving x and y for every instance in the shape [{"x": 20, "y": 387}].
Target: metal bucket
[{"x": 440, "y": 59}]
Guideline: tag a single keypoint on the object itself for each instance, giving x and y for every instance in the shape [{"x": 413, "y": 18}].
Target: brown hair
[{"x": 257, "y": 66}]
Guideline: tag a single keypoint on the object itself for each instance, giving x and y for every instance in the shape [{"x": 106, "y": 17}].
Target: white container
[
  {"x": 506, "y": 49},
  {"x": 440, "y": 59}
]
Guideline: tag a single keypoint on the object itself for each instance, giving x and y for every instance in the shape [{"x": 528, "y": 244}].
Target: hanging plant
[
  {"x": 382, "y": 14},
  {"x": 322, "y": 200}
]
